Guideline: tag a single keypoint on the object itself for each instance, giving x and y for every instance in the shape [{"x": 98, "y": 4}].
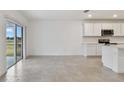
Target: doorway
[{"x": 14, "y": 39}]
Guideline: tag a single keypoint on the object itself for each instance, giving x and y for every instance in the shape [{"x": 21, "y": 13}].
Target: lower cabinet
[
  {"x": 99, "y": 50},
  {"x": 92, "y": 50}
]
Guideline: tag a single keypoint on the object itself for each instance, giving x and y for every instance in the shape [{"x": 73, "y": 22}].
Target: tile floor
[{"x": 61, "y": 69}]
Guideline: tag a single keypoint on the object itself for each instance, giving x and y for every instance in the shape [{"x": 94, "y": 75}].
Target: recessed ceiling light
[
  {"x": 115, "y": 15},
  {"x": 90, "y": 16}
]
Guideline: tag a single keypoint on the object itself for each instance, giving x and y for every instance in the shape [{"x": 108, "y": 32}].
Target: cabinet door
[
  {"x": 122, "y": 29},
  {"x": 97, "y": 29},
  {"x": 106, "y": 26},
  {"x": 88, "y": 29},
  {"x": 91, "y": 50},
  {"x": 99, "y": 50},
  {"x": 84, "y": 48},
  {"x": 117, "y": 29}
]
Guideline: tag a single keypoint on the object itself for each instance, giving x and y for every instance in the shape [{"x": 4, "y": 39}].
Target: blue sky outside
[{"x": 10, "y": 32}]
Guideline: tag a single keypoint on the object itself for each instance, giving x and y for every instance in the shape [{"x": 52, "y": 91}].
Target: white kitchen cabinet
[
  {"x": 117, "y": 29},
  {"x": 88, "y": 29},
  {"x": 97, "y": 29},
  {"x": 99, "y": 50},
  {"x": 122, "y": 29},
  {"x": 107, "y": 56},
  {"x": 107, "y": 26},
  {"x": 91, "y": 50},
  {"x": 94, "y": 29},
  {"x": 113, "y": 58}
]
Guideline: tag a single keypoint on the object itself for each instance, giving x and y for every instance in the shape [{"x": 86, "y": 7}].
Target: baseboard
[{"x": 55, "y": 52}]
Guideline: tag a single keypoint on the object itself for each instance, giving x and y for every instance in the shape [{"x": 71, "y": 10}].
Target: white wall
[
  {"x": 55, "y": 38},
  {"x": 16, "y": 17},
  {"x": 2, "y": 47}
]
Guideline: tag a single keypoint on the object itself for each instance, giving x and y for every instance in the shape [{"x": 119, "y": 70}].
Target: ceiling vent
[{"x": 86, "y": 11}]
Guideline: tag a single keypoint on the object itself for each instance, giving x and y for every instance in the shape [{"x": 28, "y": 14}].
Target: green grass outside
[{"x": 10, "y": 49}]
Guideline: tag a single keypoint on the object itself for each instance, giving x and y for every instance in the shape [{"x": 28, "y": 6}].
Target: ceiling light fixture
[
  {"x": 90, "y": 16},
  {"x": 115, "y": 16}
]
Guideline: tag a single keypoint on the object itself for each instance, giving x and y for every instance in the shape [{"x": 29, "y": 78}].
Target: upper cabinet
[
  {"x": 97, "y": 29},
  {"x": 88, "y": 29},
  {"x": 117, "y": 29},
  {"x": 94, "y": 29},
  {"x": 106, "y": 26},
  {"x": 122, "y": 29}
]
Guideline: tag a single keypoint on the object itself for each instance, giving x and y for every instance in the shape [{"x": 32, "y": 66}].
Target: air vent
[{"x": 86, "y": 11}]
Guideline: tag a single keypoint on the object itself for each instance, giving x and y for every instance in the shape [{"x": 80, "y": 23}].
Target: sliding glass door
[
  {"x": 10, "y": 39},
  {"x": 19, "y": 43},
  {"x": 14, "y": 37}
]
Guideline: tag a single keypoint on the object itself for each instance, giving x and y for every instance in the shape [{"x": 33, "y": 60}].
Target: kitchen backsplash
[{"x": 95, "y": 39}]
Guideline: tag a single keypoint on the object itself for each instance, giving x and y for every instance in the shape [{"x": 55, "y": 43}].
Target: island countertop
[
  {"x": 114, "y": 46},
  {"x": 113, "y": 57}
]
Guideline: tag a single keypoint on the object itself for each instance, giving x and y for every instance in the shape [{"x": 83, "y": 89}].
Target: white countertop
[
  {"x": 113, "y": 57},
  {"x": 114, "y": 46},
  {"x": 119, "y": 46},
  {"x": 90, "y": 43},
  {"x": 101, "y": 43}
]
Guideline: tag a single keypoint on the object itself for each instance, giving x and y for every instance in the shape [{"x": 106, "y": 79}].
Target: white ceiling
[{"x": 72, "y": 14}]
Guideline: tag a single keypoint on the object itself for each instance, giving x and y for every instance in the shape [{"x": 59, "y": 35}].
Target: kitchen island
[{"x": 113, "y": 57}]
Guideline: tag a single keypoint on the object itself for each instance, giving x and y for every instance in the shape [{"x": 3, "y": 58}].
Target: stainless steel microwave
[{"x": 107, "y": 32}]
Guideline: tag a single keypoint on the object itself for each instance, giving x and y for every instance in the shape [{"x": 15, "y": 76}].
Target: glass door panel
[
  {"x": 14, "y": 38},
  {"x": 10, "y": 37},
  {"x": 19, "y": 43}
]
